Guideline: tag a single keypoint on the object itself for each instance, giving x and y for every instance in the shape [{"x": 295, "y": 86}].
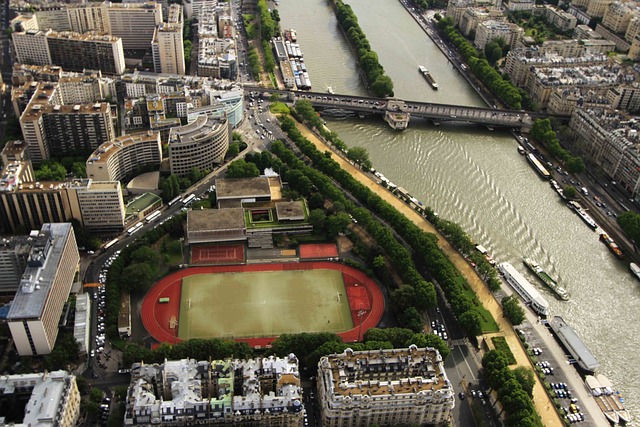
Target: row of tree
[
  {"x": 514, "y": 388},
  {"x": 173, "y": 185},
  {"x": 254, "y": 62},
  {"x": 542, "y": 132},
  {"x": 268, "y": 26},
  {"x": 379, "y": 83},
  {"x": 630, "y": 224},
  {"x": 502, "y": 88},
  {"x": 458, "y": 292}
]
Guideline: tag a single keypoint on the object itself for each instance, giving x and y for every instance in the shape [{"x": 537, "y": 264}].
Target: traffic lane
[{"x": 459, "y": 374}]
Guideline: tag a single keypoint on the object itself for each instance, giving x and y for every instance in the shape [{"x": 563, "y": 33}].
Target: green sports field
[{"x": 263, "y": 304}]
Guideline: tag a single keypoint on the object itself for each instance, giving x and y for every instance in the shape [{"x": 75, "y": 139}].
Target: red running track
[{"x": 156, "y": 316}]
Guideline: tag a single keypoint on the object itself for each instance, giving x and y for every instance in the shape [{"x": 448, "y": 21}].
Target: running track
[{"x": 156, "y": 316}]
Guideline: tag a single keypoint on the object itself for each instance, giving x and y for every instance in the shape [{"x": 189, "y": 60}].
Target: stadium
[{"x": 222, "y": 296}]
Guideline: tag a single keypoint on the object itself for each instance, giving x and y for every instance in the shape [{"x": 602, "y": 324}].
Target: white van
[{"x": 584, "y": 191}]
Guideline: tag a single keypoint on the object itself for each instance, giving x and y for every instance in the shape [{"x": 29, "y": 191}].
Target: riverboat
[
  {"x": 428, "y": 77},
  {"x": 526, "y": 290},
  {"x": 582, "y": 214},
  {"x": 521, "y": 150},
  {"x": 610, "y": 401},
  {"x": 542, "y": 171},
  {"x": 556, "y": 187},
  {"x": 568, "y": 337},
  {"x": 546, "y": 279},
  {"x": 612, "y": 245},
  {"x": 486, "y": 254}
]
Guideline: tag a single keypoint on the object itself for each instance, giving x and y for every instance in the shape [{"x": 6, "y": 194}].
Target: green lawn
[{"x": 488, "y": 323}]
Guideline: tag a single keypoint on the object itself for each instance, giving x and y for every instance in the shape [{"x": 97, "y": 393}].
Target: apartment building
[
  {"x": 88, "y": 17},
  {"x": 471, "y": 17},
  {"x": 544, "y": 81},
  {"x": 14, "y": 151},
  {"x": 257, "y": 392},
  {"x": 54, "y": 18},
  {"x": 384, "y": 387},
  {"x": 609, "y": 139},
  {"x": 202, "y": 144},
  {"x": 44, "y": 288},
  {"x": 633, "y": 29},
  {"x": 168, "y": 49},
  {"x": 519, "y": 5},
  {"x": 597, "y": 8},
  {"x": 83, "y": 89},
  {"x": 491, "y": 30},
  {"x": 100, "y": 203},
  {"x": 50, "y": 398},
  {"x": 118, "y": 158},
  {"x": 562, "y": 20},
  {"x": 77, "y": 52},
  {"x": 31, "y": 47},
  {"x": 618, "y": 16},
  {"x": 134, "y": 23},
  {"x": 625, "y": 98},
  {"x": 14, "y": 252}
]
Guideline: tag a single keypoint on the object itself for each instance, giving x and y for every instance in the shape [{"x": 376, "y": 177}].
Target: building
[
  {"x": 168, "y": 49},
  {"x": 609, "y": 139},
  {"x": 200, "y": 144},
  {"x": 216, "y": 225},
  {"x": 88, "y": 17},
  {"x": 116, "y": 159},
  {"x": 234, "y": 192},
  {"x": 519, "y": 5},
  {"x": 54, "y": 18},
  {"x": 52, "y": 399},
  {"x": 384, "y": 387},
  {"x": 617, "y": 17},
  {"x": 257, "y": 392},
  {"x": 597, "y": 8},
  {"x": 100, "y": 203},
  {"x": 85, "y": 89},
  {"x": 134, "y": 23},
  {"x": 490, "y": 30},
  {"x": 14, "y": 252},
  {"x": 14, "y": 151},
  {"x": 44, "y": 288},
  {"x": 82, "y": 322},
  {"x": 471, "y": 17},
  {"x": 625, "y": 98},
  {"x": 92, "y": 51},
  {"x": 562, "y": 20},
  {"x": 31, "y": 47}
]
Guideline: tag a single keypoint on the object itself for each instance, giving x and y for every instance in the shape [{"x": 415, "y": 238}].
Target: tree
[
  {"x": 241, "y": 169},
  {"x": 430, "y": 340},
  {"x": 359, "y": 155},
  {"x": 512, "y": 310},
  {"x": 630, "y": 224},
  {"x": 526, "y": 378},
  {"x": 317, "y": 219},
  {"x": 403, "y": 297},
  {"x": 337, "y": 224},
  {"x": 411, "y": 318},
  {"x": 234, "y": 149},
  {"x": 471, "y": 322},
  {"x": 51, "y": 171},
  {"x": 138, "y": 277},
  {"x": 570, "y": 192},
  {"x": 144, "y": 254}
]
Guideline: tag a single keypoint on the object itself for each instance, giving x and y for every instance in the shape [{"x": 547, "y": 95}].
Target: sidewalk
[{"x": 544, "y": 406}]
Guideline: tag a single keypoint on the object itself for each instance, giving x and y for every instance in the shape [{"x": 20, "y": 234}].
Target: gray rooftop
[
  {"x": 292, "y": 211},
  {"x": 242, "y": 187},
  {"x": 575, "y": 344},
  {"x": 215, "y": 220},
  {"x": 37, "y": 280}
]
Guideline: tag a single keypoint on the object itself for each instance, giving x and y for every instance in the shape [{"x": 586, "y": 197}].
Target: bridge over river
[{"x": 398, "y": 112}]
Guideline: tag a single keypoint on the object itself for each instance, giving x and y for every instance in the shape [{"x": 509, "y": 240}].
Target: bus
[
  {"x": 164, "y": 300},
  {"x": 152, "y": 217},
  {"x": 175, "y": 200},
  {"x": 111, "y": 243},
  {"x": 135, "y": 228},
  {"x": 187, "y": 200}
]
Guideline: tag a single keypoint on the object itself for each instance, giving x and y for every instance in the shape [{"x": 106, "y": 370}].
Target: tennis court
[
  {"x": 217, "y": 254},
  {"x": 263, "y": 304}
]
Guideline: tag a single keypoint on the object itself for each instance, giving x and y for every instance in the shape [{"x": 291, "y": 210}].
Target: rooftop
[
  {"x": 290, "y": 211},
  {"x": 140, "y": 203},
  {"x": 198, "y": 129},
  {"x": 37, "y": 279},
  {"x": 215, "y": 219},
  {"x": 108, "y": 149},
  {"x": 230, "y": 188}
]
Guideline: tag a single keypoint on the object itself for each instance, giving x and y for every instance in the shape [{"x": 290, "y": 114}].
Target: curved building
[
  {"x": 200, "y": 144},
  {"x": 115, "y": 159}
]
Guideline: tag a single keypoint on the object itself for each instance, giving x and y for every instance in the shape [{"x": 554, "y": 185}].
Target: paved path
[{"x": 542, "y": 402}]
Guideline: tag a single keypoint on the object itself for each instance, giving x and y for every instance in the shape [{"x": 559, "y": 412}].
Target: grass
[
  {"x": 263, "y": 304},
  {"x": 272, "y": 77},
  {"x": 488, "y": 323},
  {"x": 500, "y": 343},
  {"x": 279, "y": 108}
]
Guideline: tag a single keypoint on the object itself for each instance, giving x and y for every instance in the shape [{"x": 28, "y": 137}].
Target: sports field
[{"x": 263, "y": 304}]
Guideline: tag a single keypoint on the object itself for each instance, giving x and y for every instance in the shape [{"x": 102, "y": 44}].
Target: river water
[{"x": 476, "y": 178}]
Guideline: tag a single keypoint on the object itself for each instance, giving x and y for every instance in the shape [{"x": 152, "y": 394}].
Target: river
[{"x": 475, "y": 177}]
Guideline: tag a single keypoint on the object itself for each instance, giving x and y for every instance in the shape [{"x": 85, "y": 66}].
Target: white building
[
  {"x": 168, "y": 49},
  {"x": 44, "y": 288},
  {"x": 82, "y": 322},
  {"x": 101, "y": 204},
  {"x": 384, "y": 387},
  {"x": 134, "y": 23},
  {"x": 490, "y": 30},
  {"x": 256, "y": 392},
  {"x": 31, "y": 47},
  {"x": 54, "y": 399}
]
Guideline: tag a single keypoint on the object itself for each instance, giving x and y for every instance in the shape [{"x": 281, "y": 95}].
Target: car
[
  {"x": 480, "y": 394},
  {"x": 93, "y": 353},
  {"x": 474, "y": 393},
  {"x": 461, "y": 395}
]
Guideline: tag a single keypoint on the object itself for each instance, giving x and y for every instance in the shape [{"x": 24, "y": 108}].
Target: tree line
[
  {"x": 464, "y": 303},
  {"x": 542, "y": 132},
  {"x": 513, "y": 97},
  {"x": 379, "y": 83}
]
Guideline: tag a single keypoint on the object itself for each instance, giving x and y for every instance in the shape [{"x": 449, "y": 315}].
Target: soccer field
[{"x": 263, "y": 304}]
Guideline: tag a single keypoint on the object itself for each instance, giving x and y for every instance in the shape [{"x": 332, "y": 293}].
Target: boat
[
  {"x": 568, "y": 337},
  {"x": 521, "y": 150},
  {"x": 485, "y": 252},
  {"x": 635, "y": 270},
  {"x": 542, "y": 171},
  {"x": 330, "y": 90},
  {"x": 526, "y": 290},
  {"x": 612, "y": 245},
  {"x": 428, "y": 77},
  {"x": 546, "y": 279},
  {"x": 556, "y": 187},
  {"x": 582, "y": 214},
  {"x": 610, "y": 402}
]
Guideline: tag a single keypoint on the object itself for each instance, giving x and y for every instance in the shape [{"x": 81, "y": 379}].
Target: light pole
[{"x": 360, "y": 314}]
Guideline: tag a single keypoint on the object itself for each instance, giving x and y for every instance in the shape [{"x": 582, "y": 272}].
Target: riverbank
[{"x": 544, "y": 406}]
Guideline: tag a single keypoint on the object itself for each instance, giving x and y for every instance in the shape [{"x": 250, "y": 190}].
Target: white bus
[
  {"x": 175, "y": 200},
  {"x": 153, "y": 217},
  {"x": 135, "y": 228},
  {"x": 111, "y": 243},
  {"x": 187, "y": 200}
]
